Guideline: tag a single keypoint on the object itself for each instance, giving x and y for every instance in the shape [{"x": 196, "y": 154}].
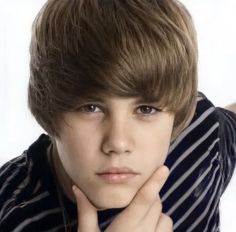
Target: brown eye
[
  {"x": 90, "y": 109},
  {"x": 147, "y": 110}
]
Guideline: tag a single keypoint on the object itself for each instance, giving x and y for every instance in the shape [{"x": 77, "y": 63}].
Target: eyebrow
[{"x": 138, "y": 99}]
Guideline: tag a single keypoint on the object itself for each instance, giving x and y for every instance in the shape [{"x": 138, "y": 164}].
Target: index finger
[{"x": 149, "y": 192}]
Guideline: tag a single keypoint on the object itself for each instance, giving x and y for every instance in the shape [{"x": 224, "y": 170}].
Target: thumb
[{"x": 87, "y": 213}]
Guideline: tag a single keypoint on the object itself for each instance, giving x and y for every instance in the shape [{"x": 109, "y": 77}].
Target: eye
[
  {"x": 90, "y": 108},
  {"x": 147, "y": 110}
]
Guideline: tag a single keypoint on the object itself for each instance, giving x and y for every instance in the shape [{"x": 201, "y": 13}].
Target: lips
[
  {"x": 117, "y": 170},
  {"x": 117, "y": 175}
]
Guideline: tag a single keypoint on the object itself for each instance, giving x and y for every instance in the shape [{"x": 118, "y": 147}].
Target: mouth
[{"x": 116, "y": 175}]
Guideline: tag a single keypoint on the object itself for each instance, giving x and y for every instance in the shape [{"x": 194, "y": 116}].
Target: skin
[
  {"x": 142, "y": 214},
  {"x": 116, "y": 131},
  {"x": 231, "y": 107},
  {"x": 111, "y": 132}
]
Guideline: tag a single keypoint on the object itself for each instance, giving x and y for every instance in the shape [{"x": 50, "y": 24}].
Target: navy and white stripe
[{"x": 201, "y": 161}]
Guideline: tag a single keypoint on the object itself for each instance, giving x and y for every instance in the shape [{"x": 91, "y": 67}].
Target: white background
[{"x": 215, "y": 21}]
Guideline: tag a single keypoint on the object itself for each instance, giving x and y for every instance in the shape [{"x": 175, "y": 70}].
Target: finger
[
  {"x": 151, "y": 218},
  {"x": 87, "y": 213},
  {"x": 149, "y": 192},
  {"x": 165, "y": 224},
  {"x": 139, "y": 207}
]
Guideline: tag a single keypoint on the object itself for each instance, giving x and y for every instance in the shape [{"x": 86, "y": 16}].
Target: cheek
[
  {"x": 154, "y": 157},
  {"x": 156, "y": 140},
  {"x": 80, "y": 140},
  {"x": 155, "y": 152},
  {"x": 154, "y": 147},
  {"x": 76, "y": 152}
]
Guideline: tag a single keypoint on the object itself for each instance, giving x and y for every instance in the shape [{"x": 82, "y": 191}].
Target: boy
[{"x": 114, "y": 84}]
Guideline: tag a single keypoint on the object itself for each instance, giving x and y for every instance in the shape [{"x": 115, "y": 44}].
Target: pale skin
[
  {"x": 231, "y": 107},
  {"x": 144, "y": 213},
  {"x": 119, "y": 132},
  {"x": 144, "y": 208}
]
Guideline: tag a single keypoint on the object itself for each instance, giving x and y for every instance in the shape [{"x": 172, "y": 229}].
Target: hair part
[{"x": 128, "y": 48}]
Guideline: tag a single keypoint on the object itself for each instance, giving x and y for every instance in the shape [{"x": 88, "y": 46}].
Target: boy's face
[{"x": 113, "y": 132}]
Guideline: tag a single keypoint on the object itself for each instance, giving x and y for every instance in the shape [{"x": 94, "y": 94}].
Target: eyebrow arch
[{"x": 138, "y": 100}]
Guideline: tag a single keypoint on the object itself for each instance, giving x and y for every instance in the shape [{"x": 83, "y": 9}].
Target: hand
[
  {"x": 144, "y": 213},
  {"x": 231, "y": 107}
]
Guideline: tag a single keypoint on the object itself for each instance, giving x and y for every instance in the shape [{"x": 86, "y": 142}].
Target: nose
[{"x": 118, "y": 137}]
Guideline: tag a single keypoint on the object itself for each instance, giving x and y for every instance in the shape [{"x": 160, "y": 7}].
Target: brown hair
[{"x": 128, "y": 48}]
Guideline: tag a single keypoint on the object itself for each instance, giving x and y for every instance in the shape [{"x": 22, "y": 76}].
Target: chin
[
  {"x": 106, "y": 202},
  {"x": 110, "y": 205}
]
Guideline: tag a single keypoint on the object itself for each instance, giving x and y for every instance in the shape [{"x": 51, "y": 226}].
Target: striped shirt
[{"x": 201, "y": 161}]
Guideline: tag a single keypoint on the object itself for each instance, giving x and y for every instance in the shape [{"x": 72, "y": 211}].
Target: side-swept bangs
[{"x": 142, "y": 48}]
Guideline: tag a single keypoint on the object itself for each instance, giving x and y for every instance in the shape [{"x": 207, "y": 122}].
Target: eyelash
[{"x": 84, "y": 110}]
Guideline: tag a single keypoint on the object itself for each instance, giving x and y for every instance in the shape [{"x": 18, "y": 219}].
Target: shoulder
[
  {"x": 223, "y": 116},
  {"x": 206, "y": 115},
  {"x": 203, "y": 129},
  {"x": 227, "y": 120},
  {"x": 227, "y": 148},
  {"x": 226, "y": 125},
  {"x": 12, "y": 176},
  {"x": 212, "y": 123},
  {"x": 23, "y": 170},
  {"x": 198, "y": 173},
  {"x": 209, "y": 141},
  {"x": 22, "y": 185},
  {"x": 15, "y": 179},
  {"x": 197, "y": 146}
]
